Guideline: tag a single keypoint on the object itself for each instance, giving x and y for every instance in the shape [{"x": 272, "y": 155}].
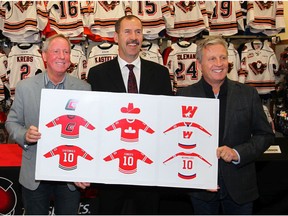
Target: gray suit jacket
[
  {"x": 24, "y": 112},
  {"x": 247, "y": 130}
]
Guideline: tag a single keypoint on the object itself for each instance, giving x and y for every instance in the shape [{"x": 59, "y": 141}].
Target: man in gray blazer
[
  {"x": 22, "y": 126},
  {"x": 244, "y": 133}
]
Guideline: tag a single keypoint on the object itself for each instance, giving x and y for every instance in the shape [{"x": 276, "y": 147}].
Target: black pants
[
  {"x": 37, "y": 202},
  {"x": 124, "y": 199}
]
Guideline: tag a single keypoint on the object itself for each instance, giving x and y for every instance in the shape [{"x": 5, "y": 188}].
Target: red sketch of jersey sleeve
[
  {"x": 70, "y": 125},
  {"x": 128, "y": 159},
  {"x": 130, "y": 129},
  {"x": 186, "y": 164},
  {"x": 188, "y": 124},
  {"x": 68, "y": 156}
]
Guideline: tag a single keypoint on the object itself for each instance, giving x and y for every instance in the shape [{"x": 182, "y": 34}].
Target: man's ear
[
  {"x": 44, "y": 56},
  {"x": 198, "y": 66},
  {"x": 116, "y": 37}
]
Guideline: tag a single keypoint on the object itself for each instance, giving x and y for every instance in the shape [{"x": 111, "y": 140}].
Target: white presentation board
[{"x": 136, "y": 139}]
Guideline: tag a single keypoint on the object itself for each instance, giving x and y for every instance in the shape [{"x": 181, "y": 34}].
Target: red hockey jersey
[
  {"x": 128, "y": 159},
  {"x": 68, "y": 156},
  {"x": 130, "y": 129},
  {"x": 70, "y": 125}
]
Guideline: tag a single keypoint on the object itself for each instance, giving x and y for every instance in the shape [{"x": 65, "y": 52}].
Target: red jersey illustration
[
  {"x": 70, "y": 125},
  {"x": 186, "y": 164},
  {"x": 68, "y": 156},
  {"x": 128, "y": 159},
  {"x": 130, "y": 129}
]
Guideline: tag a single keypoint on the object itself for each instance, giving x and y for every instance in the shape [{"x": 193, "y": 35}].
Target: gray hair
[
  {"x": 211, "y": 40},
  {"x": 48, "y": 41}
]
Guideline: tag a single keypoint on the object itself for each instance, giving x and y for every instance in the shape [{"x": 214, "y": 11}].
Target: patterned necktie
[{"x": 132, "y": 84}]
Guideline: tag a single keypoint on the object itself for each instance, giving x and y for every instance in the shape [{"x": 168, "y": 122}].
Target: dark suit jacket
[
  {"x": 107, "y": 76},
  {"x": 247, "y": 130}
]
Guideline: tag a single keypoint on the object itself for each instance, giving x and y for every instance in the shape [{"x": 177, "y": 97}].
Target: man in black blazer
[
  {"x": 244, "y": 133},
  {"x": 112, "y": 76}
]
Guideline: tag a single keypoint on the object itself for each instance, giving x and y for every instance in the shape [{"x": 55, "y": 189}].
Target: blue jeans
[{"x": 37, "y": 202}]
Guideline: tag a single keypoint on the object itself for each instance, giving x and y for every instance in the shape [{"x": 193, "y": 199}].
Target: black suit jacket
[
  {"x": 247, "y": 130},
  {"x": 107, "y": 76}
]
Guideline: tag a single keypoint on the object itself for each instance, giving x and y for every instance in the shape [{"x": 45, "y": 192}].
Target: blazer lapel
[
  {"x": 115, "y": 75},
  {"x": 229, "y": 106},
  {"x": 145, "y": 76}
]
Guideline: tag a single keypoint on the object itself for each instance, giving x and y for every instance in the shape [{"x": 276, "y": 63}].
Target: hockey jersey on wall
[
  {"x": 3, "y": 70},
  {"x": 155, "y": 17},
  {"x": 226, "y": 19},
  {"x": 151, "y": 51},
  {"x": 190, "y": 18},
  {"x": 65, "y": 17},
  {"x": 106, "y": 13},
  {"x": 234, "y": 63},
  {"x": 101, "y": 53},
  {"x": 24, "y": 20},
  {"x": 266, "y": 17},
  {"x": 259, "y": 66},
  {"x": 79, "y": 62},
  {"x": 24, "y": 60},
  {"x": 181, "y": 63}
]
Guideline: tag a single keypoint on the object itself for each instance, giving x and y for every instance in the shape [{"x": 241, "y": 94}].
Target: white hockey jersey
[
  {"x": 234, "y": 62},
  {"x": 151, "y": 52},
  {"x": 155, "y": 17},
  {"x": 266, "y": 17},
  {"x": 106, "y": 13},
  {"x": 190, "y": 18},
  {"x": 181, "y": 63},
  {"x": 24, "y": 20},
  {"x": 23, "y": 61},
  {"x": 187, "y": 165},
  {"x": 259, "y": 66},
  {"x": 79, "y": 62},
  {"x": 226, "y": 19},
  {"x": 65, "y": 17},
  {"x": 101, "y": 53},
  {"x": 3, "y": 71}
]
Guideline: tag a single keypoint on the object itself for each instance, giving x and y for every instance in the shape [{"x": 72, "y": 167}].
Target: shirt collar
[
  {"x": 123, "y": 63},
  {"x": 209, "y": 92},
  {"x": 51, "y": 85}
]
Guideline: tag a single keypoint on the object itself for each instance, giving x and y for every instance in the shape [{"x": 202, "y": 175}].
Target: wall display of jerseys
[{"x": 29, "y": 21}]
